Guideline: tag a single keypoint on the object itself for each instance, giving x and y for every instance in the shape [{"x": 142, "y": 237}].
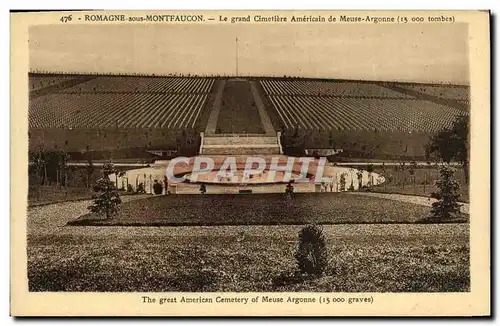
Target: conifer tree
[
  {"x": 107, "y": 200},
  {"x": 446, "y": 206},
  {"x": 312, "y": 254}
]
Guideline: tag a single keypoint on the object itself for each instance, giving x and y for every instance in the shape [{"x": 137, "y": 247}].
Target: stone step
[
  {"x": 239, "y": 140},
  {"x": 242, "y": 146},
  {"x": 241, "y": 150}
]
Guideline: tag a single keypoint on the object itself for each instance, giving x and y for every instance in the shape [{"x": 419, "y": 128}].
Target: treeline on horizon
[{"x": 34, "y": 73}]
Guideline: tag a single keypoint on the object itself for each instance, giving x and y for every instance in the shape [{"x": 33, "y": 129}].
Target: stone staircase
[{"x": 240, "y": 145}]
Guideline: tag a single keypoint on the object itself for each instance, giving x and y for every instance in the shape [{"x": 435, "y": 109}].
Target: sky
[{"x": 428, "y": 53}]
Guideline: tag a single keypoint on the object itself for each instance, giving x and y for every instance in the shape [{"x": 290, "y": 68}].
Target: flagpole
[{"x": 236, "y": 56}]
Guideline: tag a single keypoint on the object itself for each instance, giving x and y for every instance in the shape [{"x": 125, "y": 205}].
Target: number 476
[{"x": 65, "y": 19}]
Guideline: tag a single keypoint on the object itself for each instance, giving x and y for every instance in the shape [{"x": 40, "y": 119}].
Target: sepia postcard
[{"x": 250, "y": 163}]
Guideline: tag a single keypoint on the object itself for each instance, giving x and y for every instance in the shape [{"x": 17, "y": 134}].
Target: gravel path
[
  {"x": 50, "y": 218},
  {"x": 419, "y": 200}
]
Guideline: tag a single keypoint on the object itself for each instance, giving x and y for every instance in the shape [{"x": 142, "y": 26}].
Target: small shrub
[
  {"x": 140, "y": 188},
  {"x": 289, "y": 191},
  {"x": 157, "y": 188},
  {"x": 130, "y": 188},
  {"x": 203, "y": 189},
  {"x": 312, "y": 255}
]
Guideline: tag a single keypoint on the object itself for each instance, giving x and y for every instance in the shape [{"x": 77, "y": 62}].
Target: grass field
[
  {"x": 261, "y": 209},
  {"x": 54, "y": 194},
  {"x": 362, "y": 258},
  {"x": 238, "y": 112},
  {"x": 422, "y": 183}
]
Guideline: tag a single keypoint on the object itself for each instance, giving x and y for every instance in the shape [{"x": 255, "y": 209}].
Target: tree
[
  {"x": 331, "y": 142},
  {"x": 411, "y": 169},
  {"x": 185, "y": 141},
  {"x": 294, "y": 141},
  {"x": 89, "y": 168},
  {"x": 312, "y": 255},
  {"x": 122, "y": 175},
  {"x": 62, "y": 167},
  {"x": 107, "y": 200},
  {"x": 402, "y": 166},
  {"x": 203, "y": 189},
  {"x": 342, "y": 182},
  {"x": 446, "y": 205},
  {"x": 289, "y": 190},
  {"x": 351, "y": 187},
  {"x": 359, "y": 174},
  {"x": 452, "y": 144},
  {"x": 51, "y": 169},
  {"x": 165, "y": 184},
  {"x": 40, "y": 164},
  {"x": 384, "y": 173},
  {"x": 140, "y": 188},
  {"x": 157, "y": 187},
  {"x": 426, "y": 173},
  {"x": 369, "y": 169}
]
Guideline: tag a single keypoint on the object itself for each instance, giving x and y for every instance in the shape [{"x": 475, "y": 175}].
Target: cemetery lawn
[
  {"x": 362, "y": 258},
  {"x": 260, "y": 209}
]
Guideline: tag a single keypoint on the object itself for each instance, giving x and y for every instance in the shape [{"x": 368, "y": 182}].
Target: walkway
[
  {"x": 49, "y": 218},
  {"x": 419, "y": 200},
  {"x": 264, "y": 117},
  {"x": 214, "y": 113}
]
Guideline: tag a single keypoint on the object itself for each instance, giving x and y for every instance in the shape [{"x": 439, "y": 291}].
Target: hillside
[{"x": 116, "y": 112}]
